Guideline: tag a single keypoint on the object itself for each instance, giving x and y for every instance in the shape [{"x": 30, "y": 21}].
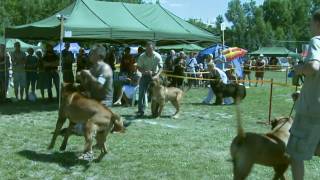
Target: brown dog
[
  {"x": 268, "y": 149},
  {"x": 96, "y": 118},
  {"x": 162, "y": 94}
]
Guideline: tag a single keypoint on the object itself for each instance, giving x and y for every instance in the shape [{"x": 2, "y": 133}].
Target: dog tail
[
  {"x": 117, "y": 123},
  {"x": 240, "y": 129},
  {"x": 244, "y": 92}
]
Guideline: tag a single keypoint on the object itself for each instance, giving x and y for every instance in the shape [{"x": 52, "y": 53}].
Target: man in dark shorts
[
  {"x": 31, "y": 71},
  {"x": 51, "y": 63},
  {"x": 260, "y": 66},
  {"x": 247, "y": 67},
  {"x": 68, "y": 60}
]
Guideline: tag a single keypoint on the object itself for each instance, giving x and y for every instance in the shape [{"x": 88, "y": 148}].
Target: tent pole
[
  {"x": 223, "y": 28},
  {"x": 5, "y": 66},
  {"x": 61, "y": 18}
]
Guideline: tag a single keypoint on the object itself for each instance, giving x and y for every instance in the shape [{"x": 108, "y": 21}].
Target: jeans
[
  {"x": 53, "y": 76},
  {"x": 143, "y": 88}
]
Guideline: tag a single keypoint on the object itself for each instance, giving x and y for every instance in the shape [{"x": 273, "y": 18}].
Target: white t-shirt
[
  {"x": 153, "y": 63},
  {"x": 309, "y": 101}
]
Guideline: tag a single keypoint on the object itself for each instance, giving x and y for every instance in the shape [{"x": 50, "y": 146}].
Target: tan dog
[
  {"x": 268, "y": 149},
  {"x": 79, "y": 109},
  {"x": 162, "y": 94}
]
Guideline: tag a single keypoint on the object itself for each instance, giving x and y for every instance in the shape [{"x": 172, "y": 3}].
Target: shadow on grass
[
  {"x": 202, "y": 104},
  {"x": 11, "y": 108},
  {"x": 129, "y": 119},
  {"x": 64, "y": 159}
]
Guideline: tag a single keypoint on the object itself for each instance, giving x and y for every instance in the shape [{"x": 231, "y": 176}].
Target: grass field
[{"x": 195, "y": 146}]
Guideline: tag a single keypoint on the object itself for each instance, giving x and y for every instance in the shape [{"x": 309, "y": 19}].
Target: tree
[
  {"x": 218, "y": 22},
  {"x": 202, "y": 25},
  {"x": 236, "y": 16},
  {"x": 278, "y": 13}
]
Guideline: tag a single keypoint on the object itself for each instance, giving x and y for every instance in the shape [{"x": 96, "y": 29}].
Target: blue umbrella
[{"x": 74, "y": 48}]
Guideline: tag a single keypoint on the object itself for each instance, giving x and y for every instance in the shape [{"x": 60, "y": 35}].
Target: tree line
[{"x": 274, "y": 23}]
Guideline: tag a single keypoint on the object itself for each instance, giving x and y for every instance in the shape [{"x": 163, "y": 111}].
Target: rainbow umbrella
[{"x": 234, "y": 53}]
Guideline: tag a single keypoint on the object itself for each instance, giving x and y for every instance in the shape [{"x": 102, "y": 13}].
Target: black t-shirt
[
  {"x": 68, "y": 59},
  {"x": 4, "y": 66},
  {"x": 50, "y": 57}
]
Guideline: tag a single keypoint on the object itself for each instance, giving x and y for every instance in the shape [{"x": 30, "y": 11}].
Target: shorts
[
  {"x": 259, "y": 74},
  {"x": 129, "y": 91},
  {"x": 304, "y": 137},
  {"x": 19, "y": 79},
  {"x": 32, "y": 77}
]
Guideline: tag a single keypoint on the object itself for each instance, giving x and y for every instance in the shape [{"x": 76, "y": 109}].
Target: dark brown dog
[
  {"x": 96, "y": 118},
  {"x": 161, "y": 94},
  {"x": 268, "y": 149},
  {"x": 221, "y": 90}
]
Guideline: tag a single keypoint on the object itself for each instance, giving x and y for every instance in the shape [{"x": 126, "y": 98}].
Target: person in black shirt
[
  {"x": 67, "y": 59},
  {"x": 31, "y": 72},
  {"x": 51, "y": 63},
  {"x": 4, "y": 72}
]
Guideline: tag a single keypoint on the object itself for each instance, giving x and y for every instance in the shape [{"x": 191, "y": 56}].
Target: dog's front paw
[
  {"x": 88, "y": 156},
  {"x": 175, "y": 117}
]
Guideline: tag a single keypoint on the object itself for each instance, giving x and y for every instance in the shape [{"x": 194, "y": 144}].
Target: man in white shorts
[
  {"x": 19, "y": 59},
  {"x": 305, "y": 131}
]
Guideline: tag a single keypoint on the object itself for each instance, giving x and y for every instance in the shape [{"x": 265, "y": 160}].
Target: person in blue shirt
[{"x": 191, "y": 64}]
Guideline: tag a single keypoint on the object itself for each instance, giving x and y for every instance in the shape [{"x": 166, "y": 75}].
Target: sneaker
[
  {"x": 117, "y": 103},
  {"x": 88, "y": 156}
]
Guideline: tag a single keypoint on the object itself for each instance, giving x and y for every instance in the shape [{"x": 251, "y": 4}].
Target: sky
[{"x": 206, "y": 10}]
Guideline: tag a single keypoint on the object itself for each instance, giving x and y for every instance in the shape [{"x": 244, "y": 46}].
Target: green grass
[{"x": 195, "y": 146}]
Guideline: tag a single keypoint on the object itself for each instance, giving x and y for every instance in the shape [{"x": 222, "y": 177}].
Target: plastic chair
[{"x": 136, "y": 97}]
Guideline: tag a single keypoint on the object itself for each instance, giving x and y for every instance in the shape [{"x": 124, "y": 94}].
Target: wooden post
[
  {"x": 60, "y": 56},
  {"x": 270, "y": 101},
  {"x": 286, "y": 75}
]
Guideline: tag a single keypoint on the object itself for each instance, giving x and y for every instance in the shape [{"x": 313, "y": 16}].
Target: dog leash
[{"x": 294, "y": 104}]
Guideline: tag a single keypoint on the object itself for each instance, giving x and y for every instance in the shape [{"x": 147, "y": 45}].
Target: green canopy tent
[
  {"x": 10, "y": 44},
  {"x": 182, "y": 47},
  {"x": 274, "y": 52},
  {"x": 100, "y": 20}
]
